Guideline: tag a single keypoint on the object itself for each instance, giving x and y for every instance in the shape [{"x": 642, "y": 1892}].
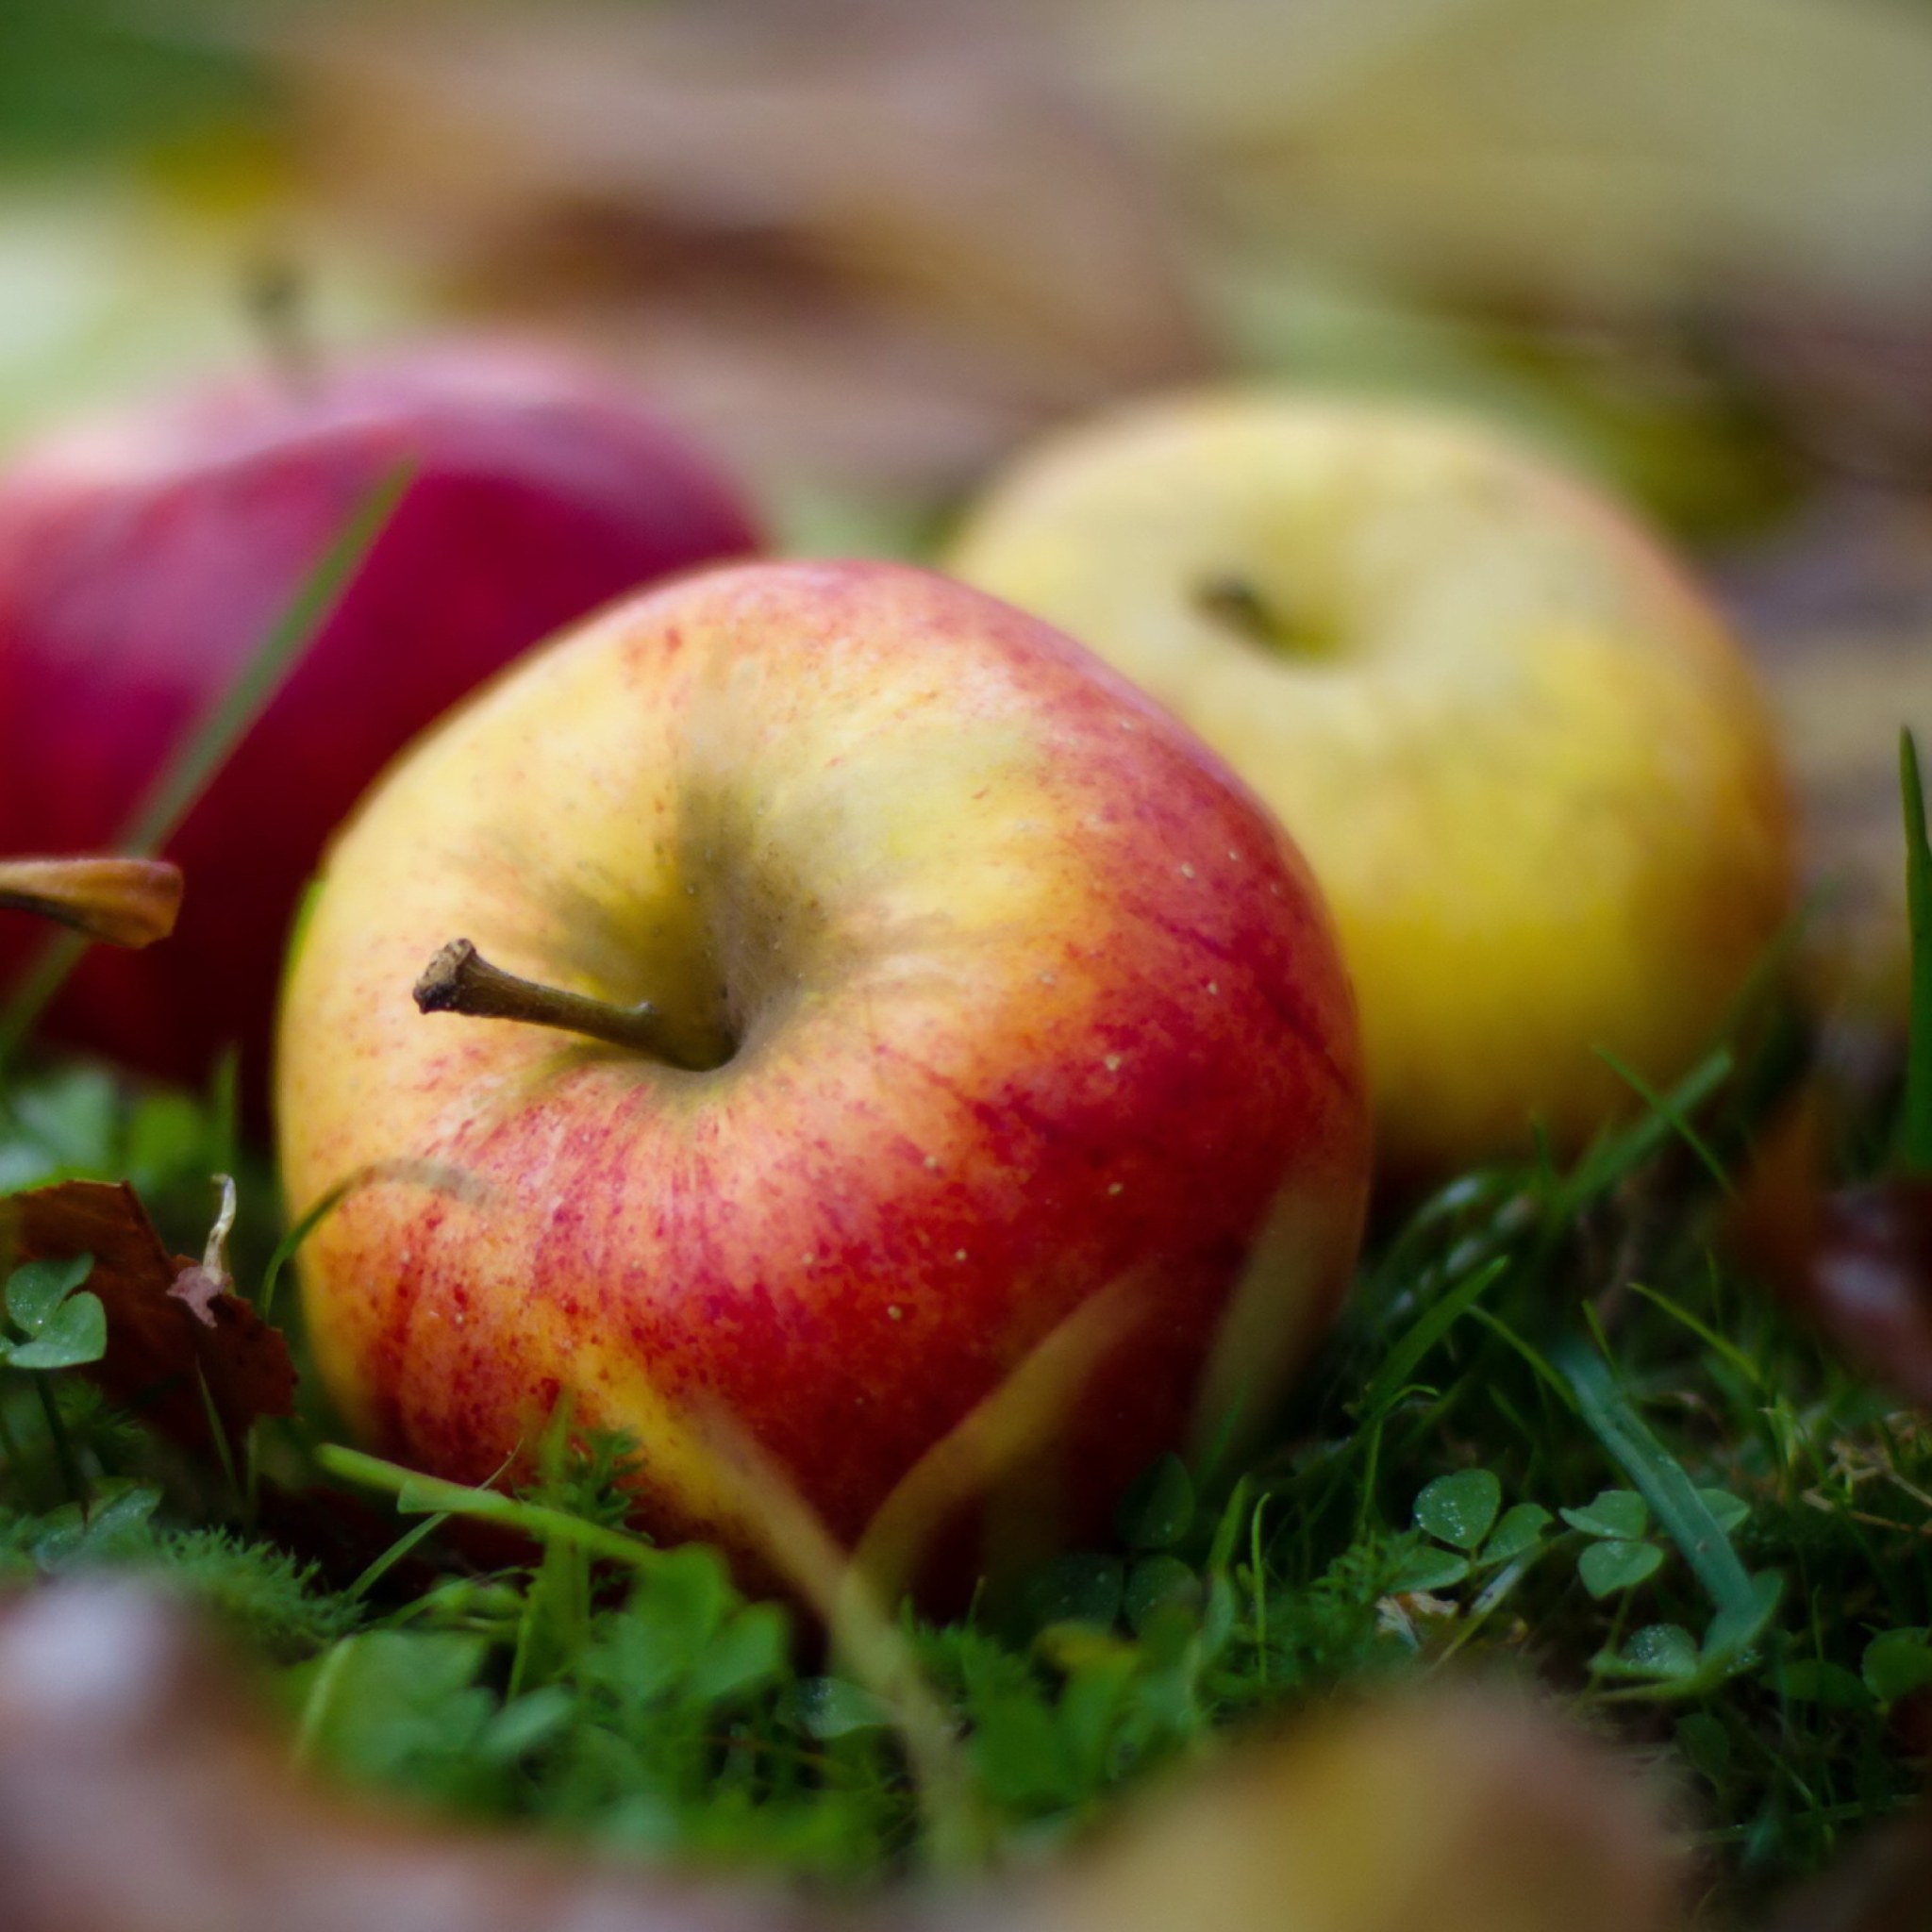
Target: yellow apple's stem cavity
[
  {"x": 127, "y": 902},
  {"x": 460, "y": 980},
  {"x": 1236, "y": 604}
]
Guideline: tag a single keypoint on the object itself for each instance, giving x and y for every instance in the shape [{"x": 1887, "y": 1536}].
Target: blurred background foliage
[{"x": 866, "y": 246}]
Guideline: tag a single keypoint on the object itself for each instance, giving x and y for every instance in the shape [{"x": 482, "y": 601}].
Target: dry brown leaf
[
  {"x": 1881, "y": 1886},
  {"x": 1856, "y": 1263},
  {"x": 127, "y": 902},
  {"x": 166, "y": 1361},
  {"x": 137, "y": 1796},
  {"x": 1867, "y": 1281}
]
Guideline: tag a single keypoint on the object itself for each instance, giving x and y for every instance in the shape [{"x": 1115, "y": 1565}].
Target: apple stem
[
  {"x": 460, "y": 980},
  {"x": 276, "y": 297},
  {"x": 127, "y": 902}
]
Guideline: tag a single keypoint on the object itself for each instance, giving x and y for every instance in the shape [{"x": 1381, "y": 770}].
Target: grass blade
[
  {"x": 291, "y": 1244},
  {"x": 402, "y": 1547},
  {"x": 1915, "y": 1134},
  {"x": 1668, "y": 1108},
  {"x": 419, "y": 1494},
  {"x": 186, "y": 776},
  {"x": 314, "y": 603},
  {"x": 1392, "y": 1378},
  {"x": 1610, "y": 1158},
  {"x": 1659, "y": 1478}
]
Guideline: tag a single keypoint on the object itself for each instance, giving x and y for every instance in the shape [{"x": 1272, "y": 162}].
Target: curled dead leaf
[
  {"x": 1868, "y": 1280},
  {"x": 127, "y": 902},
  {"x": 174, "y": 1356},
  {"x": 1856, "y": 1263}
]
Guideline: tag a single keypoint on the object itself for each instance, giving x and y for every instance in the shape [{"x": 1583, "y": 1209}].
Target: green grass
[{"x": 1555, "y": 1435}]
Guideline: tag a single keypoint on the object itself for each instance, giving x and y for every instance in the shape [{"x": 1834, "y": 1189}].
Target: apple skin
[
  {"x": 1527, "y": 762},
  {"x": 142, "y": 562},
  {"x": 1032, "y": 997}
]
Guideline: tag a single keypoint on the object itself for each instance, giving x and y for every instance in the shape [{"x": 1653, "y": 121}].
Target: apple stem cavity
[
  {"x": 460, "y": 980},
  {"x": 1235, "y": 604}
]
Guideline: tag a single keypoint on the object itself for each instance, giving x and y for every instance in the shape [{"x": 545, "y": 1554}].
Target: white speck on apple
[
  {"x": 1214, "y": 986},
  {"x": 1112, "y": 1063},
  {"x": 1187, "y": 871},
  {"x": 959, "y": 1254},
  {"x": 932, "y": 1161},
  {"x": 1117, "y": 1187},
  {"x": 895, "y": 1311}
]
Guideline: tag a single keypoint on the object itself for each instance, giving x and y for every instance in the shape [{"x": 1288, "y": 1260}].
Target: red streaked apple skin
[
  {"x": 1034, "y": 999},
  {"x": 143, "y": 561}
]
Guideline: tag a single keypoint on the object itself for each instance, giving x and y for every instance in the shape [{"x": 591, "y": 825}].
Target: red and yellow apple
[
  {"x": 1526, "y": 761},
  {"x": 950, "y": 987},
  {"x": 143, "y": 560}
]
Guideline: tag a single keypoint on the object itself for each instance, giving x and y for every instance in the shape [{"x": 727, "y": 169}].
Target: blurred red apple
[
  {"x": 934, "y": 985},
  {"x": 143, "y": 562}
]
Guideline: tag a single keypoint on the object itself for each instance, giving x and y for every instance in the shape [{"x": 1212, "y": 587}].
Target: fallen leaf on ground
[
  {"x": 127, "y": 902},
  {"x": 1868, "y": 1281},
  {"x": 1857, "y": 1261},
  {"x": 163, "y": 1352},
  {"x": 1882, "y": 1886},
  {"x": 1466, "y": 1811},
  {"x": 137, "y": 1796}
]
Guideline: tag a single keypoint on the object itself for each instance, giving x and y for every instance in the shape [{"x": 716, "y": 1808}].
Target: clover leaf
[
  {"x": 1621, "y": 1514},
  {"x": 1159, "y": 1506},
  {"x": 1896, "y": 1663},
  {"x": 1458, "y": 1510},
  {"x": 1660, "y": 1650},
  {"x": 1461, "y": 1510},
  {"x": 1426, "y": 1569},
  {"x": 1617, "y": 1563},
  {"x": 1519, "y": 1532},
  {"x": 62, "y": 1328}
]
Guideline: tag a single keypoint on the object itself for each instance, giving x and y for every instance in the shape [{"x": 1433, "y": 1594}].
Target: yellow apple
[{"x": 1528, "y": 764}]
